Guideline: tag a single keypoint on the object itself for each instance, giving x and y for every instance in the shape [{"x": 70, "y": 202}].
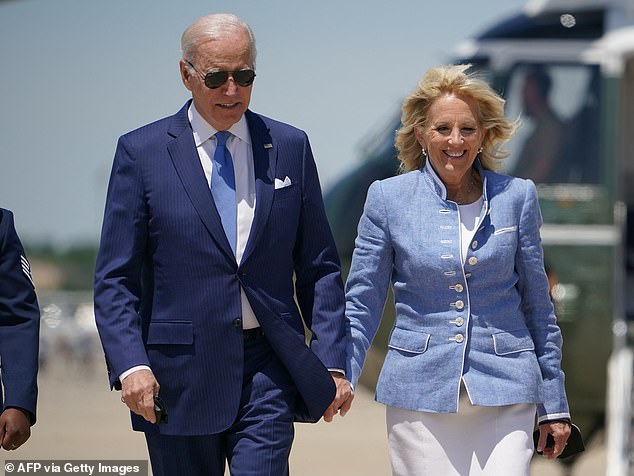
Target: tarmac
[{"x": 80, "y": 418}]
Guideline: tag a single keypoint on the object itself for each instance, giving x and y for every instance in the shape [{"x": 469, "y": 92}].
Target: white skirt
[{"x": 476, "y": 441}]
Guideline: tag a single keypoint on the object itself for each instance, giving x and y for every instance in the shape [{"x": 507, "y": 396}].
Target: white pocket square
[{"x": 282, "y": 183}]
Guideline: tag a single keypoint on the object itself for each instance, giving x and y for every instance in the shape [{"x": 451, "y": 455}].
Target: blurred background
[{"x": 78, "y": 74}]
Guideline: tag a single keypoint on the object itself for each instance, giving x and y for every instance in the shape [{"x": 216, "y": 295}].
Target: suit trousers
[
  {"x": 476, "y": 441},
  {"x": 259, "y": 441}
]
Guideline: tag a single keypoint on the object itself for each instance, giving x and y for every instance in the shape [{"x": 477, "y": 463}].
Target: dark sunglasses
[{"x": 215, "y": 79}]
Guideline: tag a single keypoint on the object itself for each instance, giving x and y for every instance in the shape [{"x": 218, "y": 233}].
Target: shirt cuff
[
  {"x": 342, "y": 372},
  {"x": 132, "y": 370}
]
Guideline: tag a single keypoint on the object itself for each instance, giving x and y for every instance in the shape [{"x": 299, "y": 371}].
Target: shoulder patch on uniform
[{"x": 26, "y": 269}]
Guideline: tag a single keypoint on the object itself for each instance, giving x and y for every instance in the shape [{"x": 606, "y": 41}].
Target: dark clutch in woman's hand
[{"x": 574, "y": 444}]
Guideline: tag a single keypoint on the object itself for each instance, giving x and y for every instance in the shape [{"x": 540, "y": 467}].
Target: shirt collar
[{"x": 203, "y": 131}]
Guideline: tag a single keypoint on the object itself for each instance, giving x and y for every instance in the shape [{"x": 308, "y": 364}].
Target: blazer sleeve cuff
[{"x": 553, "y": 417}]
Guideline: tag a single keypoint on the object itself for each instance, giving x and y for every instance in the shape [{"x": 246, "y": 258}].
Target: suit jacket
[
  {"x": 167, "y": 283},
  {"x": 19, "y": 322},
  {"x": 489, "y": 321}
]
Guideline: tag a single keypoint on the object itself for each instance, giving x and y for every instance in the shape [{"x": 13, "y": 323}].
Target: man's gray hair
[{"x": 217, "y": 25}]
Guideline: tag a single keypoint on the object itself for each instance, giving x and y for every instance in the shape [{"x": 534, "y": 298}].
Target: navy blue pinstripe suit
[{"x": 167, "y": 283}]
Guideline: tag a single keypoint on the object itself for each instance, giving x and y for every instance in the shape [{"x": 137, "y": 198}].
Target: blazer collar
[
  {"x": 264, "y": 162},
  {"x": 182, "y": 151},
  {"x": 438, "y": 186}
]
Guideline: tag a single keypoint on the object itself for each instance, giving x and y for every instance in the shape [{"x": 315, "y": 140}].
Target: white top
[{"x": 469, "y": 215}]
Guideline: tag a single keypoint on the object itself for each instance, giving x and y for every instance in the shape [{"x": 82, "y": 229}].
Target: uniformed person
[{"x": 19, "y": 338}]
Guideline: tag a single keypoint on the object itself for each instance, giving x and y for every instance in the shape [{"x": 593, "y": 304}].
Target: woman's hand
[{"x": 560, "y": 430}]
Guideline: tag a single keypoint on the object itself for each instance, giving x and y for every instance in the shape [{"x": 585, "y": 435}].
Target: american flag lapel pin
[{"x": 268, "y": 146}]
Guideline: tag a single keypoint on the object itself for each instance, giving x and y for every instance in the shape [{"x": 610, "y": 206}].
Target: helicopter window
[{"x": 558, "y": 105}]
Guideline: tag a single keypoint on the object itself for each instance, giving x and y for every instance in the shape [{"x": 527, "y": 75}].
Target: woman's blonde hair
[{"x": 453, "y": 79}]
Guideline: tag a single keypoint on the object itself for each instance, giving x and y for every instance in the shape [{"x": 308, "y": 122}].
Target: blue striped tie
[{"x": 223, "y": 187}]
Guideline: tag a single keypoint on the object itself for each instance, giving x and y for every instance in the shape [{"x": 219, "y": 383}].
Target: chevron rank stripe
[{"x": 26, "y": 269}]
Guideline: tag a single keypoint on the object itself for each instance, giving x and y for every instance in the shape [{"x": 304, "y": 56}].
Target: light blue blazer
[{"x": 488, "y": 321}]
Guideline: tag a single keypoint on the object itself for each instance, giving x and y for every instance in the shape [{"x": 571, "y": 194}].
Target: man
[
  {"x": 19, "y": 338},
  {"x": 541, "y": 151},
  {"x": 208, "y": 238}
]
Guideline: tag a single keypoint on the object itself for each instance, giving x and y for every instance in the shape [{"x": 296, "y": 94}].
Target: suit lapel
[
  {"x": 264, "y": 161},
  {"x": 182, "y": 151}
]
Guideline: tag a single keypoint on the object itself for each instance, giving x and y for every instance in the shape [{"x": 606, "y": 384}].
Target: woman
[{"x": 475, "y": 350}]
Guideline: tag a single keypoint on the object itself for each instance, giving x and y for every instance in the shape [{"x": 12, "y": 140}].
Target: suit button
[
  {"x": 473, "y": 261},
  {"x": 459, "y": 305},
  {"x": 459, "y": 338},
  {"x": 458, "y": 288},
  {"x": 474, "y": 245},
  {"x": 237, "y": 323},
  {"x": 459, "y": 321}
]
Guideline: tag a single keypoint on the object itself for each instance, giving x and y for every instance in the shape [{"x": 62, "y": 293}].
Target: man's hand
[
  {"x": 343, "y": 399},
  {"x": 560, "y": 431},
  {"x": 137, "y": 392},
  {"x": 15, "y": 428}
]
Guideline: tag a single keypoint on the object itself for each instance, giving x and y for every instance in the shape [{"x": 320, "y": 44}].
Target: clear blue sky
[{"x": 76, "y": 74}]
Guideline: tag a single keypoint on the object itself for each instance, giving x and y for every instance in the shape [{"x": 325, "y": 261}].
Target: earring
[
  {"x": 480, "y": 150},
  {"x": 424, "y": 152}
]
